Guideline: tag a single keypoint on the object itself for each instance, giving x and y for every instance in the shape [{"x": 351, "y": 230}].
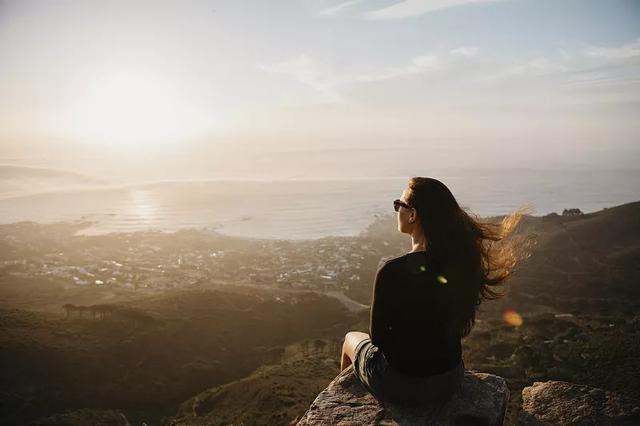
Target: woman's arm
[{"x": 379, "y": 318}]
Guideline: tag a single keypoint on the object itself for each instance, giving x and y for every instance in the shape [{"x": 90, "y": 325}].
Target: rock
[
  {"x": 482, "y": 401},
  {"x": 555, "y": 403}
]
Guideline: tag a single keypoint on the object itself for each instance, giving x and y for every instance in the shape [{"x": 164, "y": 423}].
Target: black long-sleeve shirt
[{"x": 411, "y": 313}]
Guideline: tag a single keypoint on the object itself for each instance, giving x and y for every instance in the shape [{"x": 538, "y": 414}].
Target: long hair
[{"x": 474, "y": 257}]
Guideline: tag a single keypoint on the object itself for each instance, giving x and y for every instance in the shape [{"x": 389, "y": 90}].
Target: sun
[{"x": 134, "y": 109}]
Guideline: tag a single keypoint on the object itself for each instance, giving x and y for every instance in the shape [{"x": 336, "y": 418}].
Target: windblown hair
[{"x": 464, "y": 248}]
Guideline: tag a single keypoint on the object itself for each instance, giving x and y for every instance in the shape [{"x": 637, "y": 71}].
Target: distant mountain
[{"x": 18, "y": 181}]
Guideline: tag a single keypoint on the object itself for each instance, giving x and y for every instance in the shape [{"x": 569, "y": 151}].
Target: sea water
[{"x": 312, "y": 208}]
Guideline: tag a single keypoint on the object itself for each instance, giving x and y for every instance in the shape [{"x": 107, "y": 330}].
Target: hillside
[
  {"x": 190, "y": 340},
  {"x": 182, "y": 327}
]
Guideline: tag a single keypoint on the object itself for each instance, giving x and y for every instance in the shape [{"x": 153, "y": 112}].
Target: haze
[{"x": 315, "y": 88}]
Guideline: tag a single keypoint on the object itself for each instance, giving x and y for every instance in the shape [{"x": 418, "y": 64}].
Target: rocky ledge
[
  {"x": 482, "y": 400},
  {"x": 563, "y": 403}
]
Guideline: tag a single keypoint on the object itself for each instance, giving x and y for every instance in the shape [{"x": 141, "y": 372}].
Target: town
[{"x": 155, "y": 261}]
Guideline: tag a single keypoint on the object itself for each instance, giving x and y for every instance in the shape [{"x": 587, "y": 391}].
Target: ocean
[{"x": 311, "y": 208}]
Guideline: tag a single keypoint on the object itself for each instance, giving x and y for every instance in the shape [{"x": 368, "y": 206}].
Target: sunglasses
[{"x": 398, "y": 203}]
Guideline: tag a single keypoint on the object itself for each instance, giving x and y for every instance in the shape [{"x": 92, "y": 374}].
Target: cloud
[
  {"x": 606, "y": 67},
  {"x": 606, "y": 77},
  {"x": 418, "y": 64},
  {"x": 464, "y": 66},
  {"x": 626, "y": 51},
  {"x": 595, "y": 79},
  {"x": 411, "y": 8},
  {"x": 537, "y": 67},
  {"x": 327, "y": 84},
  {"x": 591, "y": 68},
  {"x": 304, "y": 70},
  {"x": 543, "y": 66},
  {"x": 340, "y": 7},
  {"x": 464, "y": 51}
]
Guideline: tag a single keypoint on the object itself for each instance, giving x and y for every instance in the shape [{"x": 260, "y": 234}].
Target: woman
[{"x": 425, "y": 301}]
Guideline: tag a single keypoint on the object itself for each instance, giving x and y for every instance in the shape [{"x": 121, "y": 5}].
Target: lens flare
[
  {"x": 441, "y": 279},
  {"x": 511, "y": 317}
]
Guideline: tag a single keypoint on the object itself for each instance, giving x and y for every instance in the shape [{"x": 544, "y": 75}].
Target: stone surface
[
  {"x": 563, "y": 403},
  {"x": 482, "y": 401}
]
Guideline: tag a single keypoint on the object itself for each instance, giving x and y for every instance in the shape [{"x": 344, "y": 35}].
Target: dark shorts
[{"x": 385, "y": 382}]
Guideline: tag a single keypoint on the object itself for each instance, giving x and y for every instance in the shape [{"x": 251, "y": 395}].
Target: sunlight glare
[
  {"x": 511, "y": 317},
  {"x": 135, "y": 109}
]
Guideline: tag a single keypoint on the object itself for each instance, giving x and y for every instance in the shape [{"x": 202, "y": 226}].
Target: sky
[{"x": 185, "y": 89}]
